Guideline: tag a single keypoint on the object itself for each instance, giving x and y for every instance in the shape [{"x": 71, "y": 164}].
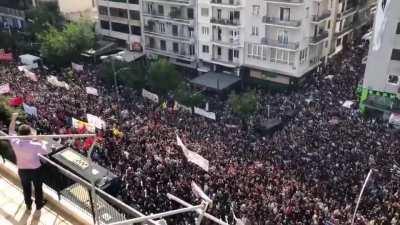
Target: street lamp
[{"x": 113, "y": 58}]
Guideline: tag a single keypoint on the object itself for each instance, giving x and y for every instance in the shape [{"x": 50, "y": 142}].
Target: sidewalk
[{"x": 13, "y": 211}]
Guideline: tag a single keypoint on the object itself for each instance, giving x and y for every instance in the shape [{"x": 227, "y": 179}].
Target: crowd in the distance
[{"x": 308, "y": 173}]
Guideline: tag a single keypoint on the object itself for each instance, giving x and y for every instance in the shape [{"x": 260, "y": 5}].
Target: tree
[
  {"x": 243, "y": 105},
  {"x": 43, "y": 17},
  {"x": 6, "y": 40},
  {"x": 185, "y": 95},
  {"x": 163, "y": 77},
  {"x": 129, "y": 74},
  {"x": 61, "y": 47}
]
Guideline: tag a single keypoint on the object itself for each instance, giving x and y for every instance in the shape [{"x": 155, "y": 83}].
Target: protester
[{"x": 309, "y": 172}]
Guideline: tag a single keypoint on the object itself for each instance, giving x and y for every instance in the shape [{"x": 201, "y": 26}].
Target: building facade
[
  {"x": 381, "y": 85},
  {"x": 273, "y": 40}
]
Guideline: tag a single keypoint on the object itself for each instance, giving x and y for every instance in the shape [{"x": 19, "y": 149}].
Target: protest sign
[
  {"x": 4, "y": 88},
  {"x": 30, "y": 110},
  {"x": 204, "y": 113},
  {"x": 147, "y": 94},
  {"x": 92, "y": 91},
  {"x": 96, "y": 121}
]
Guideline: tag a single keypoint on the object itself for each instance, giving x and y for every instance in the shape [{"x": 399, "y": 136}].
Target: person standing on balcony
[{"x": 28, "y": 162}]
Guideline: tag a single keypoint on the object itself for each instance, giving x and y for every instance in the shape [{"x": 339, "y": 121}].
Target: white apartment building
[
  {"x": 381, "y": 84},
  {"x": 121, "y": 21},
  {"x": 273, "y": 40}
]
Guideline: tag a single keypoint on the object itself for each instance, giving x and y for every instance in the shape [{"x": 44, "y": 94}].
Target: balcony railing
[
  {"x": 226, "y": 2},
  {"x": 346, "y": 28},
  {"x": 280, "y": 44},
  {"x": 177, "y": 36},
  {"x": 319, "y": 37},
  {"x": 12, "y": 12},
  {"x": 172, "y": 15},
  {"x": 227, "y": 22},
  {"x": 320, "y": 17},
  {"x": 278, "y": 21},
  {"x": 287, "y": 1},
  {"x": 220, "y": 59},
  {"x": 171, "y": 53},
  {"x": 230, "y": 41}
]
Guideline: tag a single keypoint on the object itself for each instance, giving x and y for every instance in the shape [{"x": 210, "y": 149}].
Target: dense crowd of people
[{"x": 308, "y": 173}]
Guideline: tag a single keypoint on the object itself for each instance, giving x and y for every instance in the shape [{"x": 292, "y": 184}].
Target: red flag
[
  {"x": 6, "y": 56},
  {"x": 88, "y": 143},
  {"x": 16, "y": 101}
]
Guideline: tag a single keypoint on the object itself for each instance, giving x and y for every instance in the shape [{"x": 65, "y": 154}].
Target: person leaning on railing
[{"x": 28, "y": 162}]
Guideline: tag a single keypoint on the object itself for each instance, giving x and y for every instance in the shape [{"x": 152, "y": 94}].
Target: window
[
  {"x": 256, "y": 10},
  {"x": 283, "y": 37},
  {"x": 162, "y": 28},
  {"x": 329, "y": 24},
  {"x": 175, "y": 30},
  {"x": 204, "y": 11},
  {"x": 190, "y": 13},
  {"x": 191, "y": 50},
  {"x": 205, "y": 49},
  {"x": 395, "y": 54},
  {"x": 152, "y": 42},
  {"x": 393, "y": 79},
  {"x": 254, "y": 31},
  {"x": 161, "y": 9},
  {"x": 104, "y": 24},
  {"x": 103, "y": 10},
  {"x": 136, "y": 30},
  {"x": 163, "y": 45},
  {"x": 285, "y": 14},
  {"x": 398, "y": 29},
  {"x": 219, "y": 51},
  {"x": 205, "y": 30},
  {"x": 119, "y": 27},
  {"x": 136, "y": 2},
  {"x": 175, "y": 47},
  {"x": 134, "y": 14},
  {"x": 303, "y": 55},
  {"x": 118, "y": 12},
  {"x": 236, "y": 53}
]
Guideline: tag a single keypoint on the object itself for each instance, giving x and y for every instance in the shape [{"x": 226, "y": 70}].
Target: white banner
[
  {"x": 30, "y": 75},
  {"x": 79, "y": 124},
  {"x": 348, "y": 104},
  {"x": 204, "y": 113},
  {"x": 76, "y": 67},
  {"x": 96, "y": 121},
  {"x": 92, "y": 91},
  {"x": 193, "y": 156},
  {"x": 185, "y": 108},
  {"x": 4, "y": 88},
  {"x": 31, "y": 110},
  {"x": 394, "y": 119},
  {"x": 54, "y": 81},
  {"x": 199, "y": 192},
  {"x": 147, "y": 94}
]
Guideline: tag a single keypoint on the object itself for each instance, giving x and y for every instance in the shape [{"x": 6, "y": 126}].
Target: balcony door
[
  {"x": 230, "y": 55},
  {"x": 283, "y": 37},
  {"x": 285, "y": 14}
]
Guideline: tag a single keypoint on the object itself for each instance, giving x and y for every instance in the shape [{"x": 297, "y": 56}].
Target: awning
[{"x": 217, "y": 81}]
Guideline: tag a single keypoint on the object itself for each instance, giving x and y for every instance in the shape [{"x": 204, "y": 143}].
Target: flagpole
[
  {"x": 359, "y": 197},
  {"x": 8, "y": 137}
]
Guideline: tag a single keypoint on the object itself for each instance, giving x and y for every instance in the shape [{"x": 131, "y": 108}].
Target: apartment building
[
  {"x": 12, "y": 13},
  {"x": 121, "y": 20},
  {"x": 381, "y": 85}
]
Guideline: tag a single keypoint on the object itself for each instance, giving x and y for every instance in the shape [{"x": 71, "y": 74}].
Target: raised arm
[{"x": 11, "y": 128}]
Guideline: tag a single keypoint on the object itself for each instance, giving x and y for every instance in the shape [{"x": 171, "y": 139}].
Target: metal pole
[
  {"x": 158, "y": 215},
  {"x": 115, "y": 76},
  {"x": 201, "y": 215},
  {"x": 359, "y": 197},
  {"x": 207, "y": 215},
  {"x": 47, "y": 136},
  {"x": 268, "y": 111},
  {"x": 92, "y": 182}
]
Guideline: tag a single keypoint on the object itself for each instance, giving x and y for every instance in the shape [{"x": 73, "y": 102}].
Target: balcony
[
  {"x": 226, "y": 3},
  {"x": 290, "y": 2},
  {"x": 321, "y": 17},
  {"x": 346, "y": 28},
  {"x": 171, "y": 17},
  {"x": 275, "y": 21},
  {"x": 225, "y": 62},
  {"x": 279, "y": 44},
  {"x": 170, "y": 35},
  {"x": 12, "y": 12},
  {"x": 316, "y": 39},
  {"x": 174, "y": 2},
  {"x": 231, "y": 42},
  {"x": 170, "y": 53},
  {"x": 225, "y": 22}
]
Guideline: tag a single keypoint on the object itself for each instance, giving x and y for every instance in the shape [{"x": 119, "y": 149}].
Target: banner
[
  {"x": 394, "y": 119},
  {"x": 92, "y": 91},
  {"x": 96, "y": 121},
  {"x": 204, "y": 113},
  {"x": 6, "y": 56},
  {"x": 54, "y": 81},
  {"x": 16, "y": 101},
  {"x": 30, "y": 75},
  {"x": 30, "y": 110},
  {"x": 193, "y": 156},
  {"x": 348, "y": 104},
  {"x": 80, "y": 124},
  {"x": 76, "y": 67},
  {"x": 185, "y": 108},
  {"x": 147, "y": 94},
  {"x": 4, "y": 88}
]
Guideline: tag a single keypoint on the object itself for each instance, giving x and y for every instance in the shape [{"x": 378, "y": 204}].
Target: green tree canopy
[
  {"x": 43, "y": 17},
  {"x": 185, "y": 95},
  {"x": 128, "y": 74},
  {"x": 61, "y": 47},
  {"x": 243, "y": 105},
  {"x": 163, "y": 77}
]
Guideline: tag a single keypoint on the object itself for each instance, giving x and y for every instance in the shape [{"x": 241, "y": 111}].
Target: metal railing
[
  {"x": 226, "y": 2},
  {"x": 280, "y": 44},
  {"x": 12, "y": 12},
  {"x": 287, "y": 1},
  {"x": 320, "y": 17},
  {"x": 228, "y": 22},
  {"x": 319, "y": 37},
  {"x": 278, "y": 21}
]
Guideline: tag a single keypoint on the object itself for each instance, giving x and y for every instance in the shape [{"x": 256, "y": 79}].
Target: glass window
[
  {"x": 175, "y": 47},
  {"x": 119, "y": 27},
  {"x": 136, "y": 2},
  {"x": 104, "y": 24},
  {"x": 136, "y": 30},
  {"x": 103, "y": 10},
  {"x": 163, "y": 45},
  {"x": 393, "y": 79},
  {"x": 118, "y": 12},
  {"x": 134, "y": 14},
  {"x": 205, "y": 49},
  {"x": 398, "y": 28},
  {"x": 190, "y": 13},
  {"x": 395, "y": 54}
]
